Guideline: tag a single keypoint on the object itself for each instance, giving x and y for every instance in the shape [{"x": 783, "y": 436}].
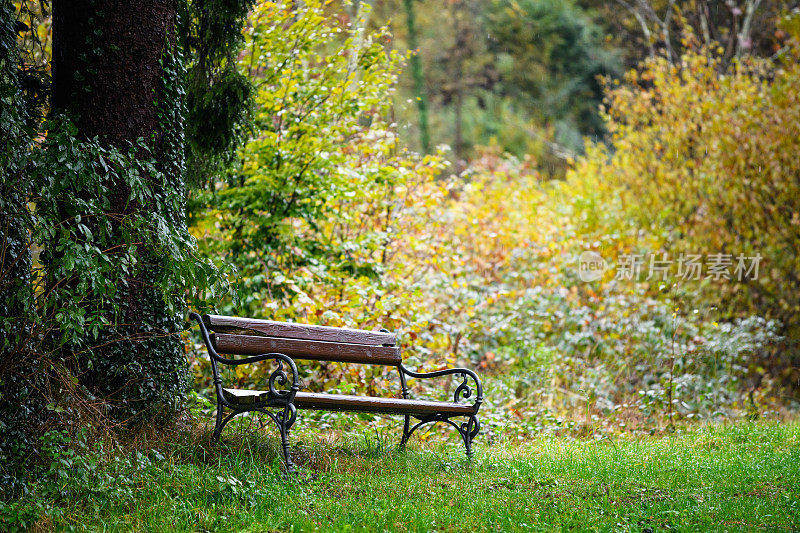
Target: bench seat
[{"x": 344, "y": 402}]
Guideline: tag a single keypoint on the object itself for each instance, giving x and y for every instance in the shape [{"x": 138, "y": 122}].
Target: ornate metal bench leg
[
  {"x": 287, "y": 419},
  {"x": 406, "y": 433},
  {"x": 284, "y": 420},
  {"x": 467, "y": 444},
  {"x": 218, "y": 424},
  {"x": 469, "y": 430}
]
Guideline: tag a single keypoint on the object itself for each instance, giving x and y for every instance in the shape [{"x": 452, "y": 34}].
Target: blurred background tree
[
  {"x": 518, "y": 76},
  {"x": 522, "y": 75},
  {"x": 644, "y": 28}
]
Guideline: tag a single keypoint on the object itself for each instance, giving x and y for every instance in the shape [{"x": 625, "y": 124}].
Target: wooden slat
[
  {"x": 290, "y": 330},
  {"x": 305, "y": 349},
  {"x": 245, "y": 397},
  {"x": 343, "y": 402},
  {"x": 366, "y": 404}
]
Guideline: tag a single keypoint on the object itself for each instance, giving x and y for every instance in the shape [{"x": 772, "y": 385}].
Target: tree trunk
[
  {"x": 106, "y": 65},
  {"x": 419, "y": 80},
  {"x": 109, "y": 76},
  {"x": 458, "y": 80}
]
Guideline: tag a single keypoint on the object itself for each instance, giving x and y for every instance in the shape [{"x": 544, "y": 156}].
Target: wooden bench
[{"x": 247, "y": 341}]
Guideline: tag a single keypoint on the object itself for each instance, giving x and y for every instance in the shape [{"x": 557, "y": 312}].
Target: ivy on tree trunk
[{"x": 117, "y": 76}]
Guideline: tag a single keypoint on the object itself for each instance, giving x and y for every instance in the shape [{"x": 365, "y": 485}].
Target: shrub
[{"x": 705, "y": 159}]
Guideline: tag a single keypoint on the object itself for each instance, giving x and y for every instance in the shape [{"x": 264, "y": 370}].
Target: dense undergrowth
[{"x": 482, "y": 268}]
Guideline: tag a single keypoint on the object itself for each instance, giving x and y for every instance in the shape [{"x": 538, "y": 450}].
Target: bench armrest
[
  {"x": 462, "y": 391},
  {"x": 278, "y": 376}
]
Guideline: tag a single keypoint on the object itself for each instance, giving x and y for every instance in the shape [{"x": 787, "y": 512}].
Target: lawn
[{"x": 743, "y": 476}]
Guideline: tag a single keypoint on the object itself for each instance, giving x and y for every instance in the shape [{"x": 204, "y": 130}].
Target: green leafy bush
[{"x": 320, "y": 145}]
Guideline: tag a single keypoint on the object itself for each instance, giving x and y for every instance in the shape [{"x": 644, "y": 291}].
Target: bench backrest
[{"x": 248, "y": 336}]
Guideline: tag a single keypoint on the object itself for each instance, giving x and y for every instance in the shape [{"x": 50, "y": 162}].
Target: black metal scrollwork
[
  {"x": 467, "y": 429},
  {"x": 278, "y": 376},
  {"x": 471, "y": 427},
  {"x": 463, "y": 390}
]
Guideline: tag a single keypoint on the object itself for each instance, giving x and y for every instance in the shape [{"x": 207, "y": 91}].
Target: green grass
[{"x": 731, "y": 477}]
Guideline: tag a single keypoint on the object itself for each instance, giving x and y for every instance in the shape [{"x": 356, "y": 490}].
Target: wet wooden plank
[
  {"x": 367, "y": 404},
  {"x": 344, "y": 402},
  {"x": 291, "y": 330},
  {"x": 306, "y": 349}
]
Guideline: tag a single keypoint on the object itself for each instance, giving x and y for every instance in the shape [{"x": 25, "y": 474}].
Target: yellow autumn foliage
[{"x": 706, "y": 160}]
